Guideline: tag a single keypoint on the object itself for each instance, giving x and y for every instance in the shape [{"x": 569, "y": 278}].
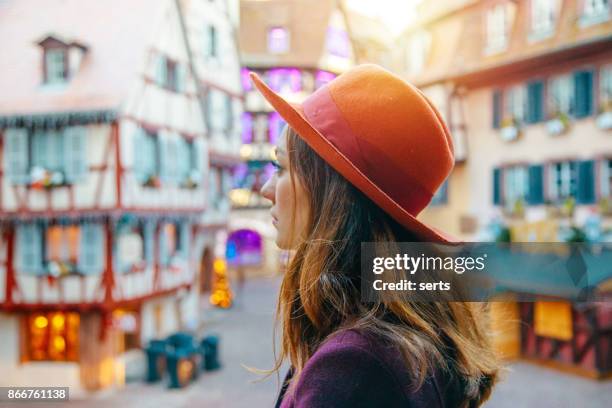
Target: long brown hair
[{"x": 320, "y": 292}]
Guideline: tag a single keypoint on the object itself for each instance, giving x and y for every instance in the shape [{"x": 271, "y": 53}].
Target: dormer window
[
  {"x": 61, "y": 58},
  {"x": 55, "y": 66},
  {"x": 278, "y": 40}
]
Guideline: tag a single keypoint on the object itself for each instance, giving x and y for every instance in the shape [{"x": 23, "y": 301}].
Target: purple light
[
  {"x": 241, "y": 172},
  {"x": 246, "y": 80},
  {"x": 323, "y": 77},
  {"x": 247, "y": 128},
  {"x": 285, "y": 79},
  {"x": 338, "y": 42},
  {"x": 278, "y": 39},
  {"x": 275, "y": 126},
  {"x": 268, "y": 171}
]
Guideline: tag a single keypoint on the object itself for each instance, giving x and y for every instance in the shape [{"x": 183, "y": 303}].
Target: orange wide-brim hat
[{"x": 381, "y": 134}]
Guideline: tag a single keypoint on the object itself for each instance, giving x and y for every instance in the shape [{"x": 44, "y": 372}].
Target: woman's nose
[{"x": 267, "y": 190}]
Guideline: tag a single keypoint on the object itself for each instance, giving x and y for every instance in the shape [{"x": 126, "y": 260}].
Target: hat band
[{"x": 324, "y": 116}]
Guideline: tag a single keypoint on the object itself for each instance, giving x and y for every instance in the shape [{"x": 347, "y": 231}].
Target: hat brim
[{"x": 293, "y": 114}]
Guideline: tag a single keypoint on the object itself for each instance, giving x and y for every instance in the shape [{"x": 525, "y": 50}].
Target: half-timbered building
[{"x": 117, "y": 135}]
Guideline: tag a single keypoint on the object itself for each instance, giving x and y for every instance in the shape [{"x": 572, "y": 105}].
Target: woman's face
[{"x": 289, "y": 200}]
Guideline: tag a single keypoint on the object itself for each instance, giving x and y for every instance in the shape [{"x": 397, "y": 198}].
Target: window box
[
  {"x": 41, "y": 178},
  {"x": 604, "y": 120},
  {"x": 510, "y": 129},
  {"x": 558, "y": 125},
  {"x": 192, "y": 181},
  {"x": 516, "y": 209},
  {"x": 152, "y": 181}
]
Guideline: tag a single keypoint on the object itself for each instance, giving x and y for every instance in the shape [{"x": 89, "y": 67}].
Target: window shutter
[
  {"x": 229, "y": 114},
  {"x": 200, "y": 157},
  {"x": 29, "y": 249},
  {"x": 141, "y": 151},
  {"x": 75, "y": 151},
  {"x": 535, "y": 99},
  {"x": 39, "y": 149},
  {"x": 92, "y": 249},
  {"x": 148, "y": 231},
  {"x": 184, "y": 159},
  {"x": 165, "y": 164},
  {"x": 586, "y": 182},
  {"x": 497, "y": 199},
  {"x": 583, "y": 93},
  {"x": 185, "y": 237},
  {"x": 208, "y": 110},
  {"x": 535, "y": 194},
  {"x": 497, "y": 109},
  {"x": 56, "y": 153},
  {"x": 16, "y": 155},
  {"x": 164, "y": 256},
  {"x": 161, "y": 70}
]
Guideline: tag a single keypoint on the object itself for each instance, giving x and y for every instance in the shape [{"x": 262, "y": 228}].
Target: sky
[{"x": 396, "y": 14}]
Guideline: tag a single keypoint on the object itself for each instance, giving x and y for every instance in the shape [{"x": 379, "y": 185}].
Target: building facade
[
  {"x": 525, "y": 89},
  {"x": 294, "y": 56},
  {"x": 114, "y": 147}
]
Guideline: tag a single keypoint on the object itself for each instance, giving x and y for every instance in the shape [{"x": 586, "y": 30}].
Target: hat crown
[{"x": 388, "y": 129}]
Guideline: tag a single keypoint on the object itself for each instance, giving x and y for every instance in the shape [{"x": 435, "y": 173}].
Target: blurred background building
[
  {"x": 294, "y": 55},
  {"x": 525, "y": 87},
  {"x": 117, "y": 145}
]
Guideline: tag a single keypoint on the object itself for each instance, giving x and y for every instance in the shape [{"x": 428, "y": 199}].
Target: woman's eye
[{"x": 277, "y": 167}]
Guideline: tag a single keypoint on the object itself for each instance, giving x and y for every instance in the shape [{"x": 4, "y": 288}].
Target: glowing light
[
  {"x": 219, "y": 265},
  {"x": 40, "y": 322},
  {"x": 58, "y": 321},
  {"x": 59, "y": 344},
  {"x": 246, "y": 151}
]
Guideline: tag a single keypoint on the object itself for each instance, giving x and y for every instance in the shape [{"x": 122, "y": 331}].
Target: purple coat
[{"x": 355, "y": 370}]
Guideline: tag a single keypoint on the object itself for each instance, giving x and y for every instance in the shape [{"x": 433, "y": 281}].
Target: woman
[{"x": 360, "y": 158}]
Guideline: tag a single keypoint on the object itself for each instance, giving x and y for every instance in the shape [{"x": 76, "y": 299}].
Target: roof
[
  {"x": 117, "y": 34},
  {"x": 306, "y": 20}
]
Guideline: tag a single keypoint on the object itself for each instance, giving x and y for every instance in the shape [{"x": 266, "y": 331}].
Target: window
[
  {"x": 260, "y": 128},
  {"x": 338, "y": 43},
  {"x": 211, "y": 39},
  {"x": 594, "y": 12},
  {"x": 561, "y": 95},
  {"x": 543, "y": 17},
  {"x": 46, "y": 158},
  {"x": 563, "y": 181},
  {"x": 52, "y": 336},
  {"x": 514, "y": 106},
  {"x": 322, "y": 78},
  {"x": 170, "y": 74},
  {"x": 516, "y": 185},
  {"x": 56, "y": 66},
  {"x": 497, "y": 28},
  {"x": 278, "y": 40},
  {"x": 276, "y": 124},
  {"x": 284, "y": 80},
  {"x": 417, "y": 52},
  {"x": 131, "y": 248},
  {"x": 174, "y": 242},
  {"x": 146, "y": 157},
  {"x": 62, "y": 246}
]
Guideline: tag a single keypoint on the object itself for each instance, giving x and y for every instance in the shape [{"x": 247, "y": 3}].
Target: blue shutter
[
  {"x": 56, "y": 151},
  {"x": 185, "y": 239},
  {"x": 184, "y": 159},
  {"x": 535, "y": 194},
  {"x": 181, "y": 77},
  {"x": 92, "y": 249},
  {"x": 39, "y": 149},
  {"x": 16, "y": 155},
  {"x": 200, "y": 158},
  {"x": 141, "y": 151},
  {"x": 229, "y": 114},
  {"x": 29, "y": 259},
  {"x": 535, "y": 101},
  {"x": 497, "y": 199},
  {"x": 165, "y": 164},
  {"x": 586, "y": 182},
  {"x": 164, "y": 256},
  {"x": 148, "y": 241},
  {"x": 161, "y": 70},
  {"x": 497, "y": 109},
  {"x": 583, "y": 93},
  {"x": 75, "y": 151}
]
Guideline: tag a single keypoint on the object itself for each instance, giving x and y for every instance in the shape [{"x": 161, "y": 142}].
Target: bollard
[
  {"x": 182, "y": 367},
  {"x": 156, "y": 360},
  {"x": 210, "y": 351}
]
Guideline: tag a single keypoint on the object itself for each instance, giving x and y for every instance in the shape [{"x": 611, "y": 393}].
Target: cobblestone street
[{"x": 246, "y": 332}]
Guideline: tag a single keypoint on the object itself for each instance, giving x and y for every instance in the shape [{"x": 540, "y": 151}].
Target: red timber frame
[
  {"x": 588, "y": 352},
  {"x": 108, "y": 303}
]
